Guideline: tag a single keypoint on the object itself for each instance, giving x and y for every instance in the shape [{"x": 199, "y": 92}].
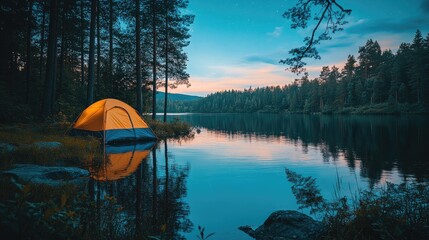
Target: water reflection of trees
[
  {"x": 378, "y": 142},
  {"x": 148, "y": 202}
]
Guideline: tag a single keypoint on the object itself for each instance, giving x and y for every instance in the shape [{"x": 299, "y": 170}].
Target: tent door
[{"x": 119, "y": 117}]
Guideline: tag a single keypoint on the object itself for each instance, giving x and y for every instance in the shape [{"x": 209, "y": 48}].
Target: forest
[
  {"x": 376, "y": 82},
  {"x": 59, "y": 56}
]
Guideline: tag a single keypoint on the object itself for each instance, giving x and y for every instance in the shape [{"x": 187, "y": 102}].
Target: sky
[{"x": 237, "y": 44}]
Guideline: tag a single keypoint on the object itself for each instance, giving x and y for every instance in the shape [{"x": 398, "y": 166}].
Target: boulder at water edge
[
  {"x": 286, "y": 225},
  {"x": 53, "y": 176}
]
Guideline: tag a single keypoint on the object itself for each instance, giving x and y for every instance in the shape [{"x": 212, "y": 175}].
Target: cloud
[
  {"x": 238, "y": 77},
  {"x": 339, "y": 44},
  {"x": 276, "y": 32},
  {"x": 260, "y": 59},
  {"x": 366, "y": 26},
  {"x": 334, "y": 44}
]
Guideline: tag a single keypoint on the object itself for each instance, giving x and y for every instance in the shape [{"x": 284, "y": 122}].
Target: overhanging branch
[
  {"x": 310, "y": 43},
  {"x": 300, "y": 15}
]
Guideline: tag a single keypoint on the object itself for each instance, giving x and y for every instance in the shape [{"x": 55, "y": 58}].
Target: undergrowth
[
  {"x": 392, "y": 211},
  {"x": 173, "y": 129},
  {"x": 72, "y": 151},
  {"x": 36, "y": 211}
]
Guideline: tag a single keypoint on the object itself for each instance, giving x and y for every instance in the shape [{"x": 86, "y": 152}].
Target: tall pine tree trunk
[
  {"x": 166, "y": 60},
  {"x": 42, "y": 42},
  {"x": 47, "y": 105},
  {"x": 110, "y": 80},
  {"x": 28, "y": 67},
  {"x": 153, "y": 60},
  {"x": 138, "y": 60},
  {"x": 61, "y": 74},
  {"x": 82, "y": 44},
  {"x": 90, "y": 89},
  {"x": 98, "y": 81}
]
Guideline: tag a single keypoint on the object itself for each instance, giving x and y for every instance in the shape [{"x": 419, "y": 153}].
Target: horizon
[{"x": 237, "y": 45}]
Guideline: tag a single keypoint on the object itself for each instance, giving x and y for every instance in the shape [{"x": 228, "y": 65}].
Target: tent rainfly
[{"x": 113, "y": 120}]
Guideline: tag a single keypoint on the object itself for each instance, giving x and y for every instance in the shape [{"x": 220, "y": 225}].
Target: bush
[
  {"x": 174, "y": 129},
  {"x": 393, "y": 211},
  {"x": 31, "y": 211}
]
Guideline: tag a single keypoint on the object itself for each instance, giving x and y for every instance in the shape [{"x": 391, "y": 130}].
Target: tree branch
[
  {"x": 300, "y": 15},
  {"x": 310, "y": 43},
  {"x": 340, "y": 7}
]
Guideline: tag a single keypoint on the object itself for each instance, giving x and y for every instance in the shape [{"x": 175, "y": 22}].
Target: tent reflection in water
[{"x": 121, "y": 161}]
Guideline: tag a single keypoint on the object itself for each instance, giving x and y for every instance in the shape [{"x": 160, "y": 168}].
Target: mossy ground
[{"x": 73, "y": 151}]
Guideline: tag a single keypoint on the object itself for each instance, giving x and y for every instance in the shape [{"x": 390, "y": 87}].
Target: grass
[
  {"x": 392, "y": 211},
  {"x": 73, "y": 151},
  {"x": 174, "y": 129}
]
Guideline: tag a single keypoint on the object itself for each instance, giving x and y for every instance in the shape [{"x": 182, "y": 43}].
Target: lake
[{"x": 232, "y": 172}]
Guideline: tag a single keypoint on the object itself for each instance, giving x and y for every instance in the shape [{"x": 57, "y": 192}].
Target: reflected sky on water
[
  {"x": 237, "y": 161},
  {"x": 232, "y": 172}
]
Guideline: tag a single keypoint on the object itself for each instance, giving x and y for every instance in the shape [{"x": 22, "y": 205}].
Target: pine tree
[
  {"x": 369, "y": 58},
  {"x": 50, "y": 77},
  {"x": 417, "y": 66},
  {"x": 175, "y": 35},
  {"x": 138, "y": 59},
  {"x": 425, "y": 79},
  {"x": 348, "y": 81},
  {"x": 90, "y": 88}
]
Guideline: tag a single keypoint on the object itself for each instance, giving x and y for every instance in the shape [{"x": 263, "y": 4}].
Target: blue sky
[{"x": 236, "y": 44}]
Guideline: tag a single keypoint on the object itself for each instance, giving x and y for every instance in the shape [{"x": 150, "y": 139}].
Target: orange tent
[{"x": 114, "y": 121}]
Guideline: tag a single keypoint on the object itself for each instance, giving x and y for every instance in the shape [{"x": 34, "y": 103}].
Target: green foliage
[
  {"x": 393, "y": 211},
  {"x": 306, "y": 192},
  {"x": 43, "y": 212},
  {"x": 322, "y": 13},
  {"x": 201, "y": 234},
  {"x": 174, "y": 129},
  {"x": 175, "y": 106}
]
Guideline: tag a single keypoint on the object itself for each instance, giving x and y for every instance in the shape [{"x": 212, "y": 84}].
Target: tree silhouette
[{"x": 327, "y": 12}]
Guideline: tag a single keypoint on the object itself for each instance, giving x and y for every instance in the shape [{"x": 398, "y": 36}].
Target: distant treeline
[{"x": 376, "y": 82}]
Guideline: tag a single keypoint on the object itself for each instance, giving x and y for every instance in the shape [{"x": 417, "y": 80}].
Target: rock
[
  {"x": 6, "y": 147},
  {"x": 286, "y": 225},
  {"x": 248, "y": 229},
  {"x": 53, "y": 176},
  {"x": 48, "y": 145}
]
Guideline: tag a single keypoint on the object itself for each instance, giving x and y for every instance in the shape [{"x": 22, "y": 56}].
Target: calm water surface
[{"x": 232, "y": 172}]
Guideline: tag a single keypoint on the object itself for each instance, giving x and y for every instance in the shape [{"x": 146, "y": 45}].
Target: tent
[
  {"x": 114, "y": 121},
  {"x": 121, "y": 161}
]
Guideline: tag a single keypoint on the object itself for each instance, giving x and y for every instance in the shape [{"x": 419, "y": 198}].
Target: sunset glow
[{"x": 238, "y": 44}]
